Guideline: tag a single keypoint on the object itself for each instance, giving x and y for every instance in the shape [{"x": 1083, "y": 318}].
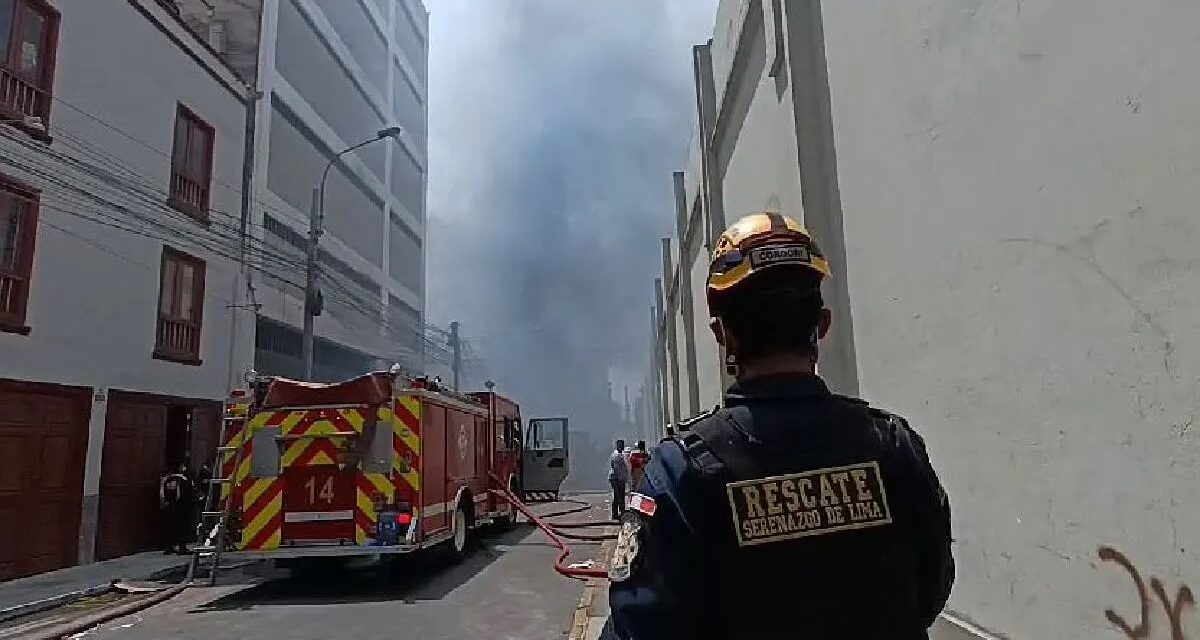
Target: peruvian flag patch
[{"x": 641, "y": 503}]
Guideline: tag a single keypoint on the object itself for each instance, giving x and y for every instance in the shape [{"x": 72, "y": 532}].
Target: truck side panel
[
  {"x": 433, "y": 469},
  {"x": 460, "y": 453},
  {"x": 483, "y": 463}
]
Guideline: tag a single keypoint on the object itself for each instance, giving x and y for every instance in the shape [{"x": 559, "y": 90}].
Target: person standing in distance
[
  {"x": 791, "y": 512},
  {"x": 618, "y": 477},
  {"x": 637, "y": 464}
]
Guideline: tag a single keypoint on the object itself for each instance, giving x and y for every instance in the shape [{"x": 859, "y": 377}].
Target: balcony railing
[
  {"x": 20, "y": 97},
  {"x": 12, "y": 292},
  {"x": 189, "y": 196},
  {"x": 177, "y": 340}
]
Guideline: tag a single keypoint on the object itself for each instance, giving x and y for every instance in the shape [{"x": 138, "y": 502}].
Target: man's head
[
  {"x": 620, "y": 445},
  {"x": 640, "y": 445},
  {"x": 764, "y": 293}
]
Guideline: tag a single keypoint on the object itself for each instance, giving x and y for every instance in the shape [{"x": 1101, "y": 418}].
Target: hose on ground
[{"x": 555, "y": 538}]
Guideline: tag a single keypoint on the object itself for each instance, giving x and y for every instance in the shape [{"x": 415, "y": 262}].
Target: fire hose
[{"x": 557, "y": 537}]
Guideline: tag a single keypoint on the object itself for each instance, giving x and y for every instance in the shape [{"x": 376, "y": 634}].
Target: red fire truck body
[{"x": 381, "y": 464}]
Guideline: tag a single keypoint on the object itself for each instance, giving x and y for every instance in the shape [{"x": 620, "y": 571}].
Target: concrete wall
[{"x": 1018, "y": 181}]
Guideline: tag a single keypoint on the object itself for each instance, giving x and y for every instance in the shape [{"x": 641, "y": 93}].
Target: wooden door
[
  {"x": 43, "y": 442},
  {"x": 134, "y": 441}
]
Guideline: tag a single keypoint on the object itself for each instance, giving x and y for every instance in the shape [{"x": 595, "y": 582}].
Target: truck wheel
[
  {"x": 505, "y": 522},
  {"x": 461, "y": 539}
]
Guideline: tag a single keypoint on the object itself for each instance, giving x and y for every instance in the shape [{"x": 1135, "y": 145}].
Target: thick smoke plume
[{"x": 554, "y": 128}]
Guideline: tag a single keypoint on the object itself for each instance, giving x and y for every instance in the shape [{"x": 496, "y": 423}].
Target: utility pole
[
  {"x": 456, "y": 347},
  {"x": 312, "y": 296}
]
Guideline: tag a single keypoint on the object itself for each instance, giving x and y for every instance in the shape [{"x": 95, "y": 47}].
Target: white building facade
[
  {"x": 1003, "y": 191},
  {"x": 121, "y": 181},
  {"x": 330, "y": 74}
]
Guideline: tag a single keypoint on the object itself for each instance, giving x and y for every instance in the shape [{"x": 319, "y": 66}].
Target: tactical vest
[{"x": 808, "y": 539}]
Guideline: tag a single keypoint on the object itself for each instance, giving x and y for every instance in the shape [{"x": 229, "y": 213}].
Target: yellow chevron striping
[
  {"x": 364, "y": 504},
  {"x": 384, "y": 414},
  {"x": 354, "y": 417},
  {"x": 253, "y": 491},
  {"x": 321, "y": 458},
  {"x": 413, "y": 405},
  {"x": 381, "y": 484},
  {"x": 293, "y": 451},
  {"x": 290, "y": 421},
  {"x": 259, "y": 420},
  {"x": 268, "y": 517}
]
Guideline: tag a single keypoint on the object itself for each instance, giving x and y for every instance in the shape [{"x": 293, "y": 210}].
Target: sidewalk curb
[
  {"x": 579, "y": 623},
  {"x": 38, "y": 606},
  {"x": 45, "y": 604}
]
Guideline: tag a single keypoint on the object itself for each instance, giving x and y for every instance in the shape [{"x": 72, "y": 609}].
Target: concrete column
[
  {"x": 687, "y": 251},
  {"x": 93, "y": 460},
  {"x": 819, "y": 182},
  {"x": 671, "y": 302},
  {"x": 706, "y": 110},
  {"x": 661, "y": 351}
]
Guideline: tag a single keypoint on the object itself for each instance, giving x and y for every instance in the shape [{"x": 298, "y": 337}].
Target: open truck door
[{"x": 544, "y": 459}]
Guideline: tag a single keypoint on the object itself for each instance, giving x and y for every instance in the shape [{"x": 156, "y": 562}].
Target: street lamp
[{"x": 316, "y": 223}]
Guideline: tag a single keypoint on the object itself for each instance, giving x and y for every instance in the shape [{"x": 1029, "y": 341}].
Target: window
[
  {"x": 180, "y": 307},
  {"x": 191, "y": 163},
  {"x": 18, "y": 228},
  {"x": 548, "y": 434},
  {"x": 28, "y": 38}
]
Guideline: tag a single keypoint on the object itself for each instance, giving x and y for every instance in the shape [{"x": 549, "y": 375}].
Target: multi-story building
[
  {"x": 1010, "y": 219},
  {"x": 330, "y": 74},
  {"x": 122, "y": 140}
]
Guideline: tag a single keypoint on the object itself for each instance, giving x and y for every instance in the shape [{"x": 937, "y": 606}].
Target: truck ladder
[{"x": 214, "y": 520}]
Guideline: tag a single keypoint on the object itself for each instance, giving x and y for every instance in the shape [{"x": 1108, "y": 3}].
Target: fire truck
[{"x": 378, "y": 465}]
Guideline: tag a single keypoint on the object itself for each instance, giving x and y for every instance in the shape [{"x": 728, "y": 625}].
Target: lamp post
[{"x": 316, "y": 220}]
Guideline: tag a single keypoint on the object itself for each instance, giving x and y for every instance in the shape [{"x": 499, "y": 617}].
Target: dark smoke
[{"x": 554, "y": 128}]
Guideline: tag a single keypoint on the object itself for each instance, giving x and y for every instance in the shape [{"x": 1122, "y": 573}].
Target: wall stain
[{"x": 1174, "y": 608}]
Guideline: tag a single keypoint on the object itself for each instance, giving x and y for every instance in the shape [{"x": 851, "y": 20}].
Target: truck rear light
[{"x": 403, "y": 519}]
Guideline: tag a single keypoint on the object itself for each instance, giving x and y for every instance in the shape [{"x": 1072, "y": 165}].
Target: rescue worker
[
  {"x": 791, "y": 512},
  {"x": 618, "y": 478},
  {"x": 176, "y": 499}
]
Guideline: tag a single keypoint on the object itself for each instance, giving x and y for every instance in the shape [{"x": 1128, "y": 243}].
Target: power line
[{"x": 129, "y": 191}]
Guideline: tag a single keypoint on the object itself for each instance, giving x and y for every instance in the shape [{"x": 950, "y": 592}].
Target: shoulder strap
[{"x": 720, "y": 445}]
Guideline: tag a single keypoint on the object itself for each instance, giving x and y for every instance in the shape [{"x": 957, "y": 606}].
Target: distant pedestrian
[
  {"x": 176, "y": 496},
  {"x": 637, "y": 464},
  {"x": 618, "y": 477}
]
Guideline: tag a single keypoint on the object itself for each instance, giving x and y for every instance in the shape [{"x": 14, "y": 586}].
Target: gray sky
[{"x": 554, "y": 128}]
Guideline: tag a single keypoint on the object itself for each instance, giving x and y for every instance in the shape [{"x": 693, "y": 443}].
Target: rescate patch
[
  {"x": 641, "y": 503},
  {"x": 810, "y": 503}
]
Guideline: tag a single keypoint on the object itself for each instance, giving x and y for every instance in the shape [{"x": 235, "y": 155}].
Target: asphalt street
[{"x": 506, "y": 589}]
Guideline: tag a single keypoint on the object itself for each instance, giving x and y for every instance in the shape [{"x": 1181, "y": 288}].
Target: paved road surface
[{"x": 507, "y": 589}]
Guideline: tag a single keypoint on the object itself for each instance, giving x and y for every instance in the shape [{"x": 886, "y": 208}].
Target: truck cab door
[{"x": 544, "y": 458}]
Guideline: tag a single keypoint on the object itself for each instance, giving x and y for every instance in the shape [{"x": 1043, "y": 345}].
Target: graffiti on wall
[{"x": 1174, "y": 607}]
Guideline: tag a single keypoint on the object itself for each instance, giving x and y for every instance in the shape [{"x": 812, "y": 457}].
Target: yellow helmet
[{"x": 758, "y": 242}]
